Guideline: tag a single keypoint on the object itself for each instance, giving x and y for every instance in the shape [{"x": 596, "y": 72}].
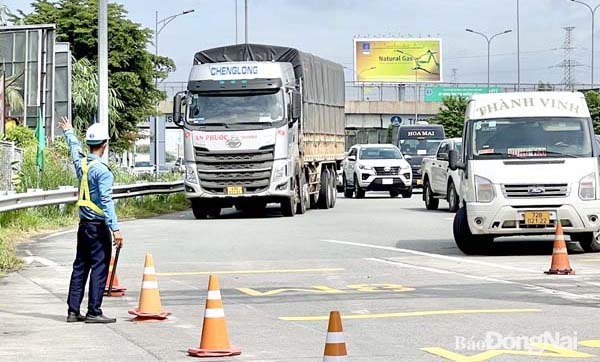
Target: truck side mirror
[
  {"x": 177, "y": 103},
  {"x": 453, "y": 162},
  {"x": 296, "y": 105}
]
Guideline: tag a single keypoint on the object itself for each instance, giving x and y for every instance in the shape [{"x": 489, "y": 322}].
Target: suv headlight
[
  {"x": 365, "y": 167},
  {"x": 484, "y": 189},
  {"x": 587, "y": 187},
  {"x": 280, "y": 171},
  {"x": 190, "y": 174}
]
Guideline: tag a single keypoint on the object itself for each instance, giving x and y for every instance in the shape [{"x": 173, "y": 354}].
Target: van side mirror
[
  {"x": 453, "y": 162},
  {"x": 296, "y": 105},
  {"x": 178, "y": 101}
]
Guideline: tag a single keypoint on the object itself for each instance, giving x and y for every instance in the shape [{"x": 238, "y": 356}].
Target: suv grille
[
  {"x": 535, "y": 190},
  {"x": 392, "y": 171},
  {"x": 249, "y": 169}
]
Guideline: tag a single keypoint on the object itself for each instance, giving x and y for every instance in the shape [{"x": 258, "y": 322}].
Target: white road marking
[
  {"x": 436, "y": 256},
  {"x": 58, "y": 234},
  {"x": 46, "y": 262}
]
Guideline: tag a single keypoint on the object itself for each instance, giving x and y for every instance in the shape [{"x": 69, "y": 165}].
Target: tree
[
  {"x": 592, "y": 99},
  {"x": 13, "y": 94},
  {"x": 541, "y": 86},
  {"x": 131, "y": 67},
  {"x": 452, "y": 115}
]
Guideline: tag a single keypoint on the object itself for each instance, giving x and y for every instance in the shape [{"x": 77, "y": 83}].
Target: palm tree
[{"x": 13, "y": 97}]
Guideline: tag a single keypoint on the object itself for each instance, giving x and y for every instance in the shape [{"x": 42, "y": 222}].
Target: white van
[{"x": 528, "y": 161}]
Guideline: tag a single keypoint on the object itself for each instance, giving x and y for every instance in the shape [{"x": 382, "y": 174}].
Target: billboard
[
  {"x": 436, "y": 94},
  {"x": 398, "y": 60}
]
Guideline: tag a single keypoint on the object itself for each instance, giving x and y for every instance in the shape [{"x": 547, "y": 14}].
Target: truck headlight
[
  {"x": 365, "y": 167},
  {"x": 190, "y": 174},
  {"x": 587, "y": 187},
  {"x": 484, "y": 189},
  {"x": 279, "y": 171}
]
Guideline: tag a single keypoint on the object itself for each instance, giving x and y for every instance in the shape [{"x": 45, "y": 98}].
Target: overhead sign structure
[
  {"x": 416, "y": 60},
  {"x": 436, "y": 94}
]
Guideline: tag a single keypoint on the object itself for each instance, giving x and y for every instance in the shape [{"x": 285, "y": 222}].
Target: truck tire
[
  {"x": 452, "y": 196},
  {"x": 201, "y": 211},
  {"x": 348, "y": 192},
  {"x": 394, "y": 193},
  {"x": 289, "y": 205},
  {"x": 407, "y": 194},
  {"x": 325, "y": 191},
  {"x": 360, "y": 193},
  {"x": 304, "y": 196},
  {"x": 467, "y": 242},
  {"x": 431, "y": 203},
  {"x": 588, "y": 241},
  {"x": 333, "y": 178}
]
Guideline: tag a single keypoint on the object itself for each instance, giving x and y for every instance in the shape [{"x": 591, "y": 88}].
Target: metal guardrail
[{"x": 69, "y": 194}]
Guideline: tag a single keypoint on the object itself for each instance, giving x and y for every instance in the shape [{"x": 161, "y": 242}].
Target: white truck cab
[{"x": 529, "y": 161}]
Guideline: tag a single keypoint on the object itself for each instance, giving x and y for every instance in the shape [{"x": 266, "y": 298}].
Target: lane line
[
  {"x": 596, "y": 260},
  {"x": 412, "y": 314},
  {"x": 260, "y": 271},
  {"x": 58, "y": 234},
  {"x": 436, "y": 256}
]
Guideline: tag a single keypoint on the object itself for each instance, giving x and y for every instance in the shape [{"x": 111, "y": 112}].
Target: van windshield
[{"x": 532, "y": 137}]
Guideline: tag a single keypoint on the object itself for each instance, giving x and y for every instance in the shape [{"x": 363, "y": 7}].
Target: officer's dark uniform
[{"x": 97, "y": 220}]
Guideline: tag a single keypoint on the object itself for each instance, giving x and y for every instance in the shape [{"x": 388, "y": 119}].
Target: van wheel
[
  {"x": 431, "y": 203},
  {"x": 467, "y": 242},
  {"x": 588, "y": 241},
  {"x": 348, "y": 192},
  {"x": 453, "y": 199}
]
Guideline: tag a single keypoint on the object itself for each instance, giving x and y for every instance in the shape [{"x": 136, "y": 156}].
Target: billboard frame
[{"x": 355, "y": 76}]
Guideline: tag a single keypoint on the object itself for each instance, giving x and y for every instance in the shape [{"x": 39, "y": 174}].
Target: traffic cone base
[
  {"x": 149, "y": 306},
  {"x": 560, "y": 258},
  {"x": 117, "y": 290},
  {"x": 214, "y": 341},
  {"x": 139, "y": 315}
]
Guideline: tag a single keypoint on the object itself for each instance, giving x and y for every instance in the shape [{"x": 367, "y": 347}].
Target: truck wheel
[
  {"x": 394, "y": 193},
  {"x": 360, "y": 193},
  {"x": 588, "y": 241},
  {"x": 431, "y": 203},
  {"x": 467, "y": 242},
  {"x": 453, "y": 199},
  {"x": 333, "y": 187},
  {"x": 407, "y": 194},
  {"x": 200, "y": 212},
  {"x": 325, "y": 191},
  {"x": 303, "y": 199},
  {"x": 348, "y": 192},
  {"x": 289, "y": 205}
]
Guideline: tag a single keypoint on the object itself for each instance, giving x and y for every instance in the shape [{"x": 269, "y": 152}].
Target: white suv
[{"x": 376, "y": 167}]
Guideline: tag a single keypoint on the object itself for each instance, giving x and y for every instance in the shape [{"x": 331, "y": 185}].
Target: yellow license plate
[
  {"x": 537, "y": 218},
  {"x": 235, "y": 190},
  {"x": 419, "y": 182}
]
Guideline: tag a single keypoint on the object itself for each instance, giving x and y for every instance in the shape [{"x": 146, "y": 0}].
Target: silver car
[{"x": 376, "y": 167}]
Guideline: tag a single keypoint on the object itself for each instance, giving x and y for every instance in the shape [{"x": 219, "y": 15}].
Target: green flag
[{"x": 40, "y": 135}]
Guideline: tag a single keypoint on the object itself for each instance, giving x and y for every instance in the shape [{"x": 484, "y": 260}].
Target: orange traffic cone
[
  {"x": 560, "y": 257},
  {"x": 149, "y": 305},
  {"x": 335, "y": 344},
  {"x": 214, "y": 341},
  {"x": 117, "y": 290}
]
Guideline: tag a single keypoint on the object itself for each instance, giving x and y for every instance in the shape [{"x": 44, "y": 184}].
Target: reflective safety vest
[{"x": 84, "y": 189}]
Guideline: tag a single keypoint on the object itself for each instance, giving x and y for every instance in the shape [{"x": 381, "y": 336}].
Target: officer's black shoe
[
  {"x": 99, "y": 319},
  {"x": 75, "y": 317}
]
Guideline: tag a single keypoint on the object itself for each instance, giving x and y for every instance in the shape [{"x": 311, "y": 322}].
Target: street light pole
[
  {"x": 489, "y": 41},
  {"x": 103, "y": 69},
  {"x": 593, "y": 12},
  {"x": 157, "y": 31}
]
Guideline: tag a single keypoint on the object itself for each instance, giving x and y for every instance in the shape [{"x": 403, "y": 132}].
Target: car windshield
[
  {"x": 143, "y": 164},
  {"x": 235, "y": 108},
  {"x": 380, "y": 153},
  {"x": 531, "y": 138},
  {"x": 419, "y": 147}
]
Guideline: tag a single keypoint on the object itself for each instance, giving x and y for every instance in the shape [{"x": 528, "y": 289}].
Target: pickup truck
[{"x": 439, "y": 182}]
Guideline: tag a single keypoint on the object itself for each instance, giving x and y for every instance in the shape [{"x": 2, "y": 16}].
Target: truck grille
[
  {"x": 249, "y": 169},
  {"x": 392, "y": 171},
  {"x": 535, "y": 190}
]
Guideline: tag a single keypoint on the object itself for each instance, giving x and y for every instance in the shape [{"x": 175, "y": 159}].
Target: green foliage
[
  {"x": 452, "y": 115},
  {"x": 592, "y": 99},
  {"x": 541, "y": 86},
  {"x": 132, "y": 68},
  {"x": 22, "y": 136}
]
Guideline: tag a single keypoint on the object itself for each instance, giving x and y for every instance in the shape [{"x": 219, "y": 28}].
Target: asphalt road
[{"x": 405, "y": 292}]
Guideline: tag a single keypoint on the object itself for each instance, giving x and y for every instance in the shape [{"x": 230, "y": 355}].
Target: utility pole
[
  {"x": 103, "y": 69},
  {"x": 236, "y": 21},
  {"x": 518, "y": 51},
  {"x": 246, "y": 21},
  {"x": 568, "y": 64}
]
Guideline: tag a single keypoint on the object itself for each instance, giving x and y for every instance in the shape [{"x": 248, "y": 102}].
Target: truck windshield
[
  {"x": 235, "y": 108},
  {"x": 533, "y": 137},
  {"x": 419, "y": 147},
  {"x": 380, "y": 153}
]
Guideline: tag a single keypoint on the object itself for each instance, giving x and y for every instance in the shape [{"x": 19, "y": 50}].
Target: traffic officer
[{"x": 97, "y": 220}]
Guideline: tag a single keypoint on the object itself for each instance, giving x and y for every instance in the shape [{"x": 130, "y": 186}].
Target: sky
[{"x": 327, "y": 27}]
